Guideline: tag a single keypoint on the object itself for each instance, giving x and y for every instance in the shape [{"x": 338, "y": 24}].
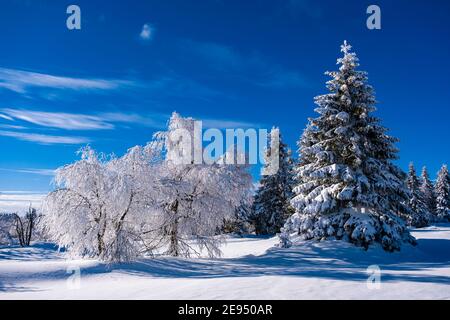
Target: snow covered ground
[{"x": 250, "y": 269}]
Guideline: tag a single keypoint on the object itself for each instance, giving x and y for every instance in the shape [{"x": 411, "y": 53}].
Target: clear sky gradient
[{"x": 234, "y": 63}]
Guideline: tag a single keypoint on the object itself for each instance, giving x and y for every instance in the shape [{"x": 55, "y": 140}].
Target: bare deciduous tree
[{"x": 25, "y": 226}]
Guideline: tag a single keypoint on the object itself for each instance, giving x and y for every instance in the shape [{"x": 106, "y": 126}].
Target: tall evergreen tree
[
  {"x": 419, "y": 215},
  {"x": 241, "y": 222},
  {"x": 442, "y": 190},
  {"x": 349, "y": 188},
  {"x": 271, "y": 204},
  {"x": 427, "y": 192}
]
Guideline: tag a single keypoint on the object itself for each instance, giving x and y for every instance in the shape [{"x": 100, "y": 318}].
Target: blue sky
[{"x": 233, "y": 63}]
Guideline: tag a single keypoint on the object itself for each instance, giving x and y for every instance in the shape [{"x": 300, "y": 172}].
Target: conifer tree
[
  {"x": 419, "y": 215},
  {"x": 427, "y": 192},
  {"x": 348, "y": 187},
  {"x": 241, "y": 222},
  {"x": 271, "y": 204},
  {"x": 442, "y": 190}
]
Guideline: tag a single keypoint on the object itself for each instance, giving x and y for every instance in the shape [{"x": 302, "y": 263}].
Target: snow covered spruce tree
[
  {"x": 419, "y": 216},
  {"x": 348, "y": 187},
  {"x": 427, "y": 192},
  {"x": 442, "y": 191},
  {"x": 241, "y": 222},
  {"x": 194, "y": 199},
  {"x": 271, "y": 206}
]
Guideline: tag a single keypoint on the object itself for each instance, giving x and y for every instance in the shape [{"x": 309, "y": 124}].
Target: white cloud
[
  {"x": 59, "y": 120},
  {"x": 77, "y": 121},
  {"x": 19, "y": 201},
  {"x": 151, "y": 120},
  {"x": 3, "y": 116},
  {"x": 19, "y": 81},
  {"x": 44, "y": 139},
  {"x": 146, "y": 32},
  {"x": 98, "y": 121},
  {"x": 10, "y": 126},
  {"x": 41, "y": 172}
]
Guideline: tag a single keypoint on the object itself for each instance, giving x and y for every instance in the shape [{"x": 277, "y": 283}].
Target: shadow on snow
[{"x": 334, "y": 260}]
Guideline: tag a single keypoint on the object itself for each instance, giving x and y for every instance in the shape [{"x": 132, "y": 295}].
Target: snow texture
[{"x": 251, "y": 268}]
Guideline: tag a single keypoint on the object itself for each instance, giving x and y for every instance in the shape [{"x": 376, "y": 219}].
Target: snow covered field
[{"x": 249, "y": 269}]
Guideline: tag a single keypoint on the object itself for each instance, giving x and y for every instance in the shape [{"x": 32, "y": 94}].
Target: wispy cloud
[
  {"x": 149, "y": 120},
  {"x": 41, "y": 172},
  {"x": 59, "y": 120},
  {"x": 97, "y": 121},
  {"x": 20, "y": 80},
  {"x": 81, "y": 122},
  {"x": 228, "y": 124},
  {"x": 19, "y": 201},
  {"x": 159, "y": 121},
  {"x": 11, "y": 126},
  {"x": 146, "y": 32},
  {"x": 43, "y": 138},
  {"x": 3, "y": 116},
  {"x": 253, "y": 68}
]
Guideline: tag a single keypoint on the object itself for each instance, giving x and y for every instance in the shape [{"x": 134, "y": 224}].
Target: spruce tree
[
  {"x": 348, "y": 187},
  {"x": 271, "y": 204},
  {"x": 442, "y": 190},
  {"x": 419, "y": 215},
  {"x": 241, "y": 222},
  {"x": 427, "y": 192}
]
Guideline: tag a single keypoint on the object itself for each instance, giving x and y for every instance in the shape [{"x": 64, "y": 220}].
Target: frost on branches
[
  {"x": 442, "y": 191},
  {"x": 427, "y": 191},
  {"x": 100, "y": 205},
  {"x": 419, "y": 215},
  {"x": 271, "y": 206},
  {"x": 194, "y": 200},
  {"x": 348, "y": 187},
  {"x": 145, "y": 202}
]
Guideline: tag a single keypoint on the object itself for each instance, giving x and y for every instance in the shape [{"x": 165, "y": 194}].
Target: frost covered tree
[
  {"x": 7, "y": 221},
  {"x": 442, "y": 191},
  {"x": 427, "y": 192},
  {"x": 271, "y": 204},
  {"x": 101, "y": 205},
  {"x": 194, "y": 199},
  {"x": 348, "y": 186},
  {"x": 145, "y": 202},
  {"x": 419, "y": 216}
]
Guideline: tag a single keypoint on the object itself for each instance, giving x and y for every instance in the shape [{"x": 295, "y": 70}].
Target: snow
[{"x": 250, "y": 268}]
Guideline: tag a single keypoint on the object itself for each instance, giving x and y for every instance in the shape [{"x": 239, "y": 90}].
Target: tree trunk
[
  {"x": 100, "y": 241},
  {"x": 173, "y": 249},
  {"x": 19, "y": 230},
  {"x": 173, "y": 232}
]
